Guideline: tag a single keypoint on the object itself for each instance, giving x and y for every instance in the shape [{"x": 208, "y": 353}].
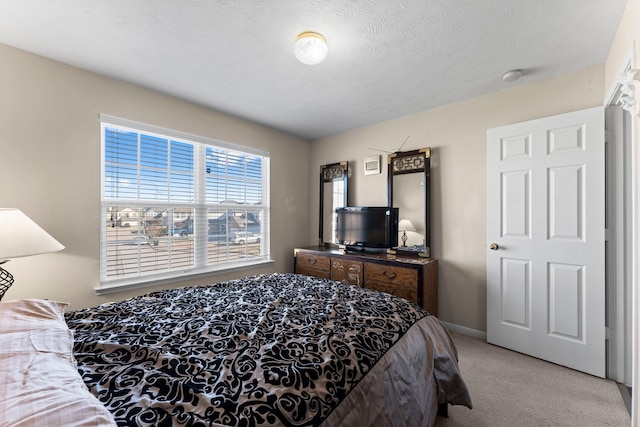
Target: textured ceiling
[{"x": 387, "y": 58}]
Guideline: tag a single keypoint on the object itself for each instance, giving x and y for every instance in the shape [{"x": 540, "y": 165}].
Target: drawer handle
[
  {"x": 390, "y": 276},
  {"x": 312, "y": 261}
]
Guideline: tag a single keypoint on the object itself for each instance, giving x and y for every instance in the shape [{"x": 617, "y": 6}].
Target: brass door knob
[{"x": 494, "y": 247}]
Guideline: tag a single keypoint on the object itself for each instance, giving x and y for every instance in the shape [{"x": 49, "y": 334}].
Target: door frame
[{"x": 626, "y": 255}]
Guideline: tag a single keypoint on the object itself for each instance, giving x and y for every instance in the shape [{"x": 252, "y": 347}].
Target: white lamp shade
[
  {"x": 405, "y": 225},
  {"x": 20, "y": 236},
  {"x": 310, "y": 48}
]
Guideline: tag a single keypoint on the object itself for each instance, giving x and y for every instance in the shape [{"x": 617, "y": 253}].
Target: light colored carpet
[{"x": 515, "y": 390}]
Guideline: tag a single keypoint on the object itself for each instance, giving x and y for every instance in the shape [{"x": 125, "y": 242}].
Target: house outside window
[{"x": 175, "y": 204}]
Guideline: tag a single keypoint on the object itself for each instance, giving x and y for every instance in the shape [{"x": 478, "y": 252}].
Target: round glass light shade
[{"x": 310, "y": 48}]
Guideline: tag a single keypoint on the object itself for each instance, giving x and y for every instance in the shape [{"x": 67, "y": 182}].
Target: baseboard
[
  {"x": 625, "y": 392},
  {"x": 465, "y": 331}
]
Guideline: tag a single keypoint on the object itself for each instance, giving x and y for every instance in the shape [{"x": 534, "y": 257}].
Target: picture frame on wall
[{"x": 371, "y": 165}]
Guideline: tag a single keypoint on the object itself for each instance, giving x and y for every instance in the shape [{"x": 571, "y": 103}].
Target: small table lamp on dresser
[
  {"x": 20, "y": 237},
  {"x": 403, "y": 226}
]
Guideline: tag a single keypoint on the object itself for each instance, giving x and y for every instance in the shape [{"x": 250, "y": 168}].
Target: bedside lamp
[
  {"x": 405, "y": 225},
  {"x": 20, "y": 237}
]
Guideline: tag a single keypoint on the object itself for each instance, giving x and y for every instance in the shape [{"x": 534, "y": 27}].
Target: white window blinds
[{"x": 175, "y": 204}]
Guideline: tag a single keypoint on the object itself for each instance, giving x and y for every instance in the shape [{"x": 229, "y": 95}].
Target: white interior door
[{"x": 546, "y": 239}]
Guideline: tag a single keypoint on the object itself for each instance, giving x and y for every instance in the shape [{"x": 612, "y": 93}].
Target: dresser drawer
[
  {"x": 323, "y": 274},
  {"x": 412, "y": 278},
  {"x": 347, "y": 271},
  {"x": 313, "y": 265},
  {"x": 399, "y": 281}
]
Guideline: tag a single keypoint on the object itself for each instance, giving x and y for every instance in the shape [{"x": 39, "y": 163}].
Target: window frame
[{"x": 201, "y": 208}]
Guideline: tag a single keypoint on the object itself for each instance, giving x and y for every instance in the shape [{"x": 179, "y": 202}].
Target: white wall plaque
[{"x": 371, "y": 165}]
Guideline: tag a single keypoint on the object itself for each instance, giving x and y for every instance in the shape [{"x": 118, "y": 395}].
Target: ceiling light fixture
[
  {"x": 512, "y": 75},
  {"x": 310, "y": 48}
]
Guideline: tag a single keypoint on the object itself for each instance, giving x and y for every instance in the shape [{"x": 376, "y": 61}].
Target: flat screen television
[{"x": 367, "y": 227}]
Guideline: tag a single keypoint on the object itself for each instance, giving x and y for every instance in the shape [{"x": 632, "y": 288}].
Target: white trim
[
  {"x": 635, "y": 402},
  {"x": 618, "y": 246},
  {"x": 613, "y": 98},
  {"x": 140, "y": 282},
  {"x": 138, "y": 126},
  {"x": 465, "y": 331}
]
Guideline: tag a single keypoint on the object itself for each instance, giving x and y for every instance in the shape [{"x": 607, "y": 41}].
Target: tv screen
[{"x": 367, "y": 227}]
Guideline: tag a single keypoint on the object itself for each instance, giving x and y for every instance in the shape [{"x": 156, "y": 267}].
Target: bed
[{"x": 276, "y": 349}]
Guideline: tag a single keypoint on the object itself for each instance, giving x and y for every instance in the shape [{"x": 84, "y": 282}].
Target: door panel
[
  {"x": 516, "y": 293},
  {"x": 516, "y": 204},
  {"x": 566, "y": 297},
  {"x": 566, "y": 210}
]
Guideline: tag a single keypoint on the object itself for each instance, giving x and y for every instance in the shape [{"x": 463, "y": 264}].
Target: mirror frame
[
  {"x": 414, "y": 161},
  {"x": 329, "y": 173}
]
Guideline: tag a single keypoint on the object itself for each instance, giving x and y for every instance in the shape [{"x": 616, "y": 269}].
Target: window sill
[{"x": 141, "y": 282}]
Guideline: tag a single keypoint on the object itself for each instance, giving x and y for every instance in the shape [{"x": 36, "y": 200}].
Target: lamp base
[{"x": 6, "y": 280}]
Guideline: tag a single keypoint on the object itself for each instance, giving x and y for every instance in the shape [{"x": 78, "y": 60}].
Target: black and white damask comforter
[{"x": 279, "y": 349}]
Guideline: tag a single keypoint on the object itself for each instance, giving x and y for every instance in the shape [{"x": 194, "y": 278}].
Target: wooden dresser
[{"x": 412, "y": 278}]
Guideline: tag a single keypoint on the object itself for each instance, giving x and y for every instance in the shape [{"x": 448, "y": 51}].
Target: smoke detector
[{"x": 512, "y": 75}]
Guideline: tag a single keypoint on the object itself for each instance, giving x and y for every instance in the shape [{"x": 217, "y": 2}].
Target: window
[{"x": 176, "y": 204}]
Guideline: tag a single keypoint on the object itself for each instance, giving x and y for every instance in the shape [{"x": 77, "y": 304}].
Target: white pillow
[{"x": 39, "y": 381}]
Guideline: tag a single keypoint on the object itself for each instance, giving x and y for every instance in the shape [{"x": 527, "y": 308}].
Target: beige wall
[
  {"x": 627, "y": 40},
  {"x": 50, "y": 154},
  {"x": 456, "y": 134}
]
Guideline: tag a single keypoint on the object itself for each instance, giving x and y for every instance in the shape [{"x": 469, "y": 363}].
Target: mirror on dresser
[
  {"x": 333, "y": 195},
  {"x": 408, "y": 190}
]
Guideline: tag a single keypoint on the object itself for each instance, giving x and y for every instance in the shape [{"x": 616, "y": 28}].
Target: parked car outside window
[
  {"x": 139, "y": 240},
  {"x": 243, "y": 237}
]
